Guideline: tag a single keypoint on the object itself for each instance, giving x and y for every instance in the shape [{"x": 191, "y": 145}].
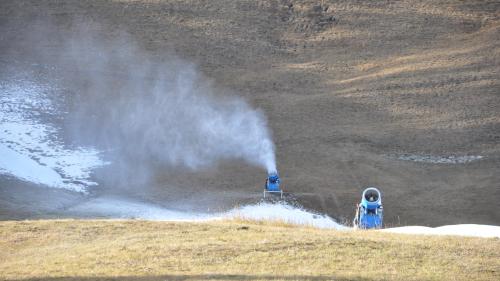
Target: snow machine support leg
[{"x": 280, "y": 192}]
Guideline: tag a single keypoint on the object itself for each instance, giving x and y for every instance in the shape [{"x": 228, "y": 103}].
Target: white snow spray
[
  {"x": 178, "y": 120},
  {"x": 150, "y": 114},
  {"x": 160, "y": 110}
]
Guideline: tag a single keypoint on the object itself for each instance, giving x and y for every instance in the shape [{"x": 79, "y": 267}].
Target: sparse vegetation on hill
[
  {"x": 72, "y": 250},
  {"x": 348, "y": 87}
]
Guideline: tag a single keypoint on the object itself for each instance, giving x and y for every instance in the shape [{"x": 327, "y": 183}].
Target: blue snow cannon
[
  {"x": 273, "y": 185},
  {"x": 369, "y": 213}
]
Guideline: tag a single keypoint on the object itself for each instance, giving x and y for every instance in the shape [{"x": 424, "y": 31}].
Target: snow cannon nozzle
[
  {"x": 273, "y": 177},
  {"x": 371, "y": 197},
  {"x": 273, "y": 184}
]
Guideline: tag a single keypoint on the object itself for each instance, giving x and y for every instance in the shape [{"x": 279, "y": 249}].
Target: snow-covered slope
[{"x": 31, "y": 148}]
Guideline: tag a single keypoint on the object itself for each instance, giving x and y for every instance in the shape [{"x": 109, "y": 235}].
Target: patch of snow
[
  {"x": 475, "y": 230},
  {"x": 284, "y": 213},
  {"x": 26, "y": 139},
  {"x": 128, "y": 209},
  {"x": 25, "y": 168},
  {"x": 452, "y": 159}
]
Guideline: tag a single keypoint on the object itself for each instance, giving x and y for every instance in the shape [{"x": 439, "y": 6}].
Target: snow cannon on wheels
[
  {"x": 369, "y": 213},
  {"x": 273, "y": 185}
]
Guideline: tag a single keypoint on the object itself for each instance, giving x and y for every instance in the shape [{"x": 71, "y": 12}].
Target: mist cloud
[
  {"x": 146, "y": 112},
  {"x": 157, "y": 110}
]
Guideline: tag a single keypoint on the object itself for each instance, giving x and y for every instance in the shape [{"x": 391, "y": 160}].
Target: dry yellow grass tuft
[{"x": 233, "y": 250}]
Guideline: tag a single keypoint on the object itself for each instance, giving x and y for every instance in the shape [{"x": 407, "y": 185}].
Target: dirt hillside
[{"x": 348, "y": 88}]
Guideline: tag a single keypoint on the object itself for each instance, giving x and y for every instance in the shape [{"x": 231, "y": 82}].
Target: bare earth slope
[{"x": 347, "y": 87}]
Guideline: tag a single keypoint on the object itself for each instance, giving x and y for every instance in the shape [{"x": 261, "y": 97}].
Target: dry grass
[{"x": 233, "y": 250}]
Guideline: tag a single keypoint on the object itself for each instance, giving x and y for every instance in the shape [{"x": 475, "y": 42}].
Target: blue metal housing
[
  {"x": 370, "y": 211},
  {"x": 273, "y": 185},
  {"x": 273, "y": 182}
]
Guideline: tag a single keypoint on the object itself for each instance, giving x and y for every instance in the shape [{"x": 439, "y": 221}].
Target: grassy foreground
[{"x": 233, "y": 250}]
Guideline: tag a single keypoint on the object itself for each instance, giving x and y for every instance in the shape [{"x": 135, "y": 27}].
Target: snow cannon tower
[
  {"x": 273, "y": 185},
  {"x": 369, "y": 213}
]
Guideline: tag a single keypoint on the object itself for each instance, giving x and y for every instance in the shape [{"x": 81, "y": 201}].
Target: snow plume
[
  {"x": 178, "y": 120},
  {"x": 165, "y": 112},
  {"x": 146, "y": 110}
]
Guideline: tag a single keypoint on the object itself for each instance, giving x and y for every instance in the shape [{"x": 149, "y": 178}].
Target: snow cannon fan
[
  {"x": 369, "y": 213},
  {"x": 273, "y": 185}
]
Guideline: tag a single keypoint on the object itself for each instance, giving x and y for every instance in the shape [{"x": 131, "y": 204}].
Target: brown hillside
[{"x": 347, "y": 87}]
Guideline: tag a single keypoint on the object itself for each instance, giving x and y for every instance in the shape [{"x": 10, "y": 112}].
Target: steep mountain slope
[{"x": 350, "y": 88}]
